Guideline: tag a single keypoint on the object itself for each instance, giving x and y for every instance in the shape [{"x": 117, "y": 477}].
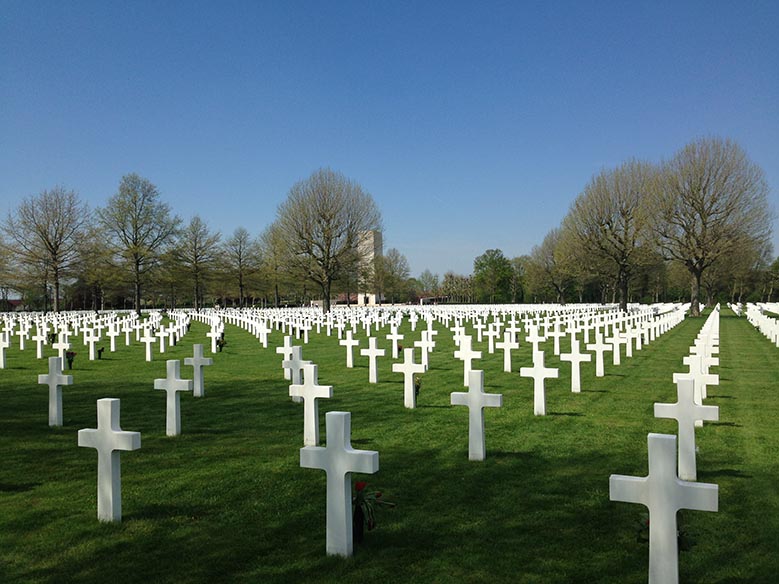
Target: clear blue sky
[{"x": 474, "y": 125}]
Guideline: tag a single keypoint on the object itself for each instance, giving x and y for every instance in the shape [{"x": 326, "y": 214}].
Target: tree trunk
[
  {"x": 623, "y": 281},
  {"x": 695, "y": 294},
  {"x": 326, "y": 295}
]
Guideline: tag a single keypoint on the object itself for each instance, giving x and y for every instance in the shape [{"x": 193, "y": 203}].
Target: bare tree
[
  {"x": 428, "y": 282},
  {"x": 197, "y": 252},
  {"x": 321, "y": 222},
  {"x": 139, "y": 227},
  {"x": 710, "y": 199},
  {"x": 243, "y": 258},
  {"x": 609, "y": 221},
  {"x": 45, "y": 230},
  {"x": 275, "y": 259}
]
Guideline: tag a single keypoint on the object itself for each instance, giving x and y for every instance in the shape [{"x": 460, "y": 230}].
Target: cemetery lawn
[{"x": 227, "y": 500}]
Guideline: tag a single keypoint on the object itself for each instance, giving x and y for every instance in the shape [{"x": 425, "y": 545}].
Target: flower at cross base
[{"x": 364, "y": 504}]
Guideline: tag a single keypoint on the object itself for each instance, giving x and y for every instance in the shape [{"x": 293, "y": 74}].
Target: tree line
[
  {"x": 694, "y": 227},
  {"x": 134, "y": 252}
]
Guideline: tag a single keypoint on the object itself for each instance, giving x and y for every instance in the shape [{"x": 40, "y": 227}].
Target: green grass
[{"x": 228, "y": 502}]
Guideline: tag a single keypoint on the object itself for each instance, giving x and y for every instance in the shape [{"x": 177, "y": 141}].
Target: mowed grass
[{"x": 228, "y": 502}]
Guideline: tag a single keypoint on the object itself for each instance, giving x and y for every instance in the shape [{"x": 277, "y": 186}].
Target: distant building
[{"x": 369, "y": 247}]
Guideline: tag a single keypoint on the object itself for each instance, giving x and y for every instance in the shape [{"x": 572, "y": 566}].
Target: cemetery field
[{"x": 227, "y": 500}]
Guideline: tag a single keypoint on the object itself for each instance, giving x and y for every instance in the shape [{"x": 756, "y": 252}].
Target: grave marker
[
  {"x": 339, "y": 460},
  {"x": 55, "y": 380},
  {"x": 197, "y": 362},
  {"x": 108, "y": 439},
  {"x": 309, "y": 392},
  {"x": 477, "y": 400},
  {"x": 663, "y": 494},
  {"x": 172, "y": 385}
]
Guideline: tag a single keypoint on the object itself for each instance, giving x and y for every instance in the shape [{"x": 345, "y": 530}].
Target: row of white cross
[{"x": 669, "y": 485}]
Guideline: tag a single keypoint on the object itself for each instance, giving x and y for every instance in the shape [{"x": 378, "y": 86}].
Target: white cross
[
  {"x": 309, "y": 391},
  {"x": 286, "y": 351},
  {"x": 479, "y": 326},
  {"x": 513, "y": 328},
  {"x": 172, "y": 385},
  {"x": 339, "y": 460},
  {"x": 262, "y": 333},
  {"x": 61, "y": 345},
  {"x": 90, "y": 338},
  {"x": 109, "y": 439},
  {"x": 4, "y": 344},
  {"x": 197, "y": 362},
  {"x": 466, "y": 355},
  {"x": 427, "y": 344},
  {"x": 147, "y": 339},
  {"x": 576, "y": 358},
  {"x": 161, "y": 335},
  {"x": 599, "y": 347},
  {"x": 477, "y": 400},
  {"x": 349, "y": 343},
  {"x": 506, "y": 346},
  {"x": 22, "y": 333},
  {"x": 213, "y": 334},
  {"x": 492, "y": 333},
  {"x": 615, "y": 340},
  {"x": 55, "y": 380},
  {"x": 685, "y": 411},
  {"x": 372, "y": 352},
  {"x": 40, "y": 339},
  {"x": 393, "y": 338},
  {"x": 113, "y": 332},
  {"x": 539, "y": 373},
  {"x": 295, "y": 366},
  {"x": 556, "y": 333},
  {"x": 533, "y": 337},
  {"x": 408, "y": 368},
  {"x": 663, "y": 494}
]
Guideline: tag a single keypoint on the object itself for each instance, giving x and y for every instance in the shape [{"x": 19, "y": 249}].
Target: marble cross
[
  {"x": 663, "y": 493},
  {"x": 172, "y": 385},
  {"x": 576, "y": 358},
  {"x": 506, "y": 346},
  {"x": 685, "y": 411},
  {"x": 373, "y": 353},
  {"x": 539, "y": 373},
  {"x": 349, "y": 342},
  {"x": 197, "y": 362},
  {"x": 286, "y": 351},
  {"x": 477, "y": 400},
  {"x": 309, "y": 392},
  {"x": 466, "y": 355},
  {"x": 339, "y": 460},
  {"x": 109, "y": 439},
  {"x": 408, "y": 368},
  {"x": 55, "y": 380}
]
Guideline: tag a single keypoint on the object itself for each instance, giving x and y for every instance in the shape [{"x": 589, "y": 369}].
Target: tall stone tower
[{"x": 370, "y": 247}]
